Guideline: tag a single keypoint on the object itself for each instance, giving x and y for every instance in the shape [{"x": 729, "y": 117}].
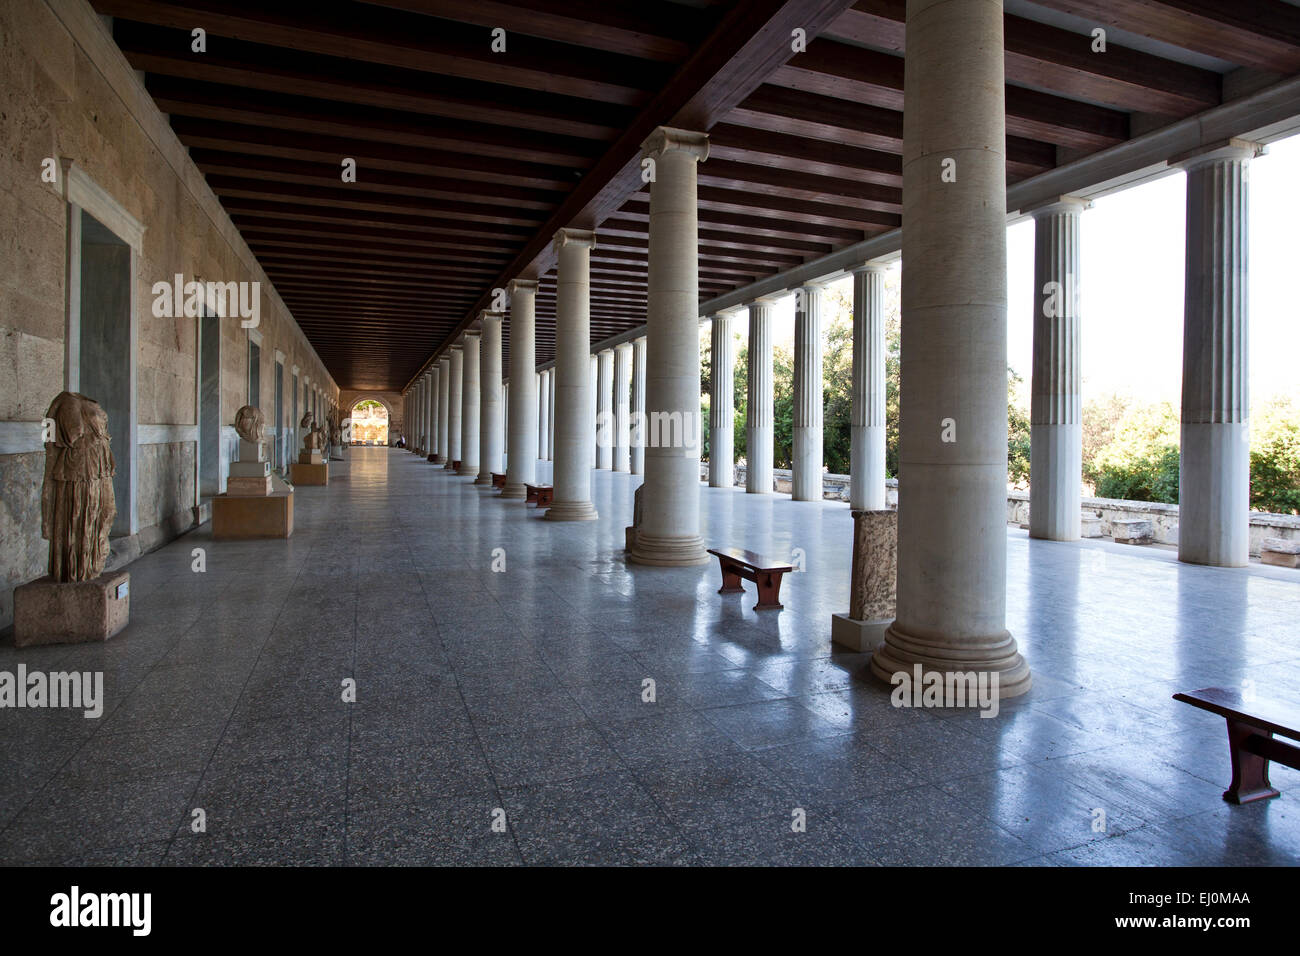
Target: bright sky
[{"x": 1132, "y": 295}]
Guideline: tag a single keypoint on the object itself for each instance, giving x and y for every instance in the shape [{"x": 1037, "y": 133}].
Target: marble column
[
  {"x": 1214, "y": 467},
  {"x": 809, "y": 397},
  {"x": 491, "y": 445},
  {"x": 952, "y": 512},
  {"x": 571, "y": 497},
  {"x": 543, "y": 413},
  {"x": 605, "y": 409},
  {"x": 417, "y": 442},
  {"x": 595, "y": 412},
  {"x": 433, "y": 414},
  {"x": 759, "y": 449},
  {"x": 456, "y": 403},
  {"x": 1056, "y": 414},
  {"x": 621, "y": 410},
  {"x": 867, "y": 437},
  {"x": 636, "y": 437},
  {"x": 669, "y": 528},
  {"x": 722, "y": 403},
  {"x": 521, "y": 461},
  {"x": 550, "y": 414},
  {"x": 444, "y": 391},
  {"x": 471, "y": 399}
]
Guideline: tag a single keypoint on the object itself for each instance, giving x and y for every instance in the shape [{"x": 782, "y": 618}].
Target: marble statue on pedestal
[{"x": 77, "y": 507}]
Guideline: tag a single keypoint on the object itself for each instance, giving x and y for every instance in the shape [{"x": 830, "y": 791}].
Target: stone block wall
[{"x": 70, "y": 95}]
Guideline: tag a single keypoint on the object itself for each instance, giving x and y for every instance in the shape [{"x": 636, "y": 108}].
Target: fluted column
[
  {"x": 456, "y": 403},
  {"x": 1214, "y": 466},
  {"x": 952, "y": 512},
  {"x": 867, "y": 438},
  {"x": 471, "y": 400},
  {"x": 595, "y": 412},
  {"x": 622, "y": 408},
  {"x": 1056, "y": 414},
  {"x": 418, "y": 437},
  {"x": 669, "y": 529},
  {"x": 605, "y": 409},
  {"x": 489, "y": 409},
  {"x": 550, "y": 414},
  {"x": 636, "y": 437},
  {"x": 759, "y": 449},
  {"x": 543, "y": 414},
  {"x": 444, "y": 391},
  {"x": 722, "y": 403},
  {"x": 807, "y": 456},
  {"x": 521, "y": 462},
  {"x": 574, "y": 441},
  {"x": 432, "y": 454}
]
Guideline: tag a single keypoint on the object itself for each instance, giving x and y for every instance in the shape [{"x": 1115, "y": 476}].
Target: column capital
[
  {"x": 667, "y": 139},
  {"x": 1057, "y": 206},
  {"x": 623, "y": 347},
  {"x": 489, "y": 316},
  {"x": 525, "y": 286},
  {"x": 456, "y": 345},
  {"x": 873, "y": 266},
  {"x": 575, "y": 237},
  {"x": 1224, "y": 149},
  {"x": 768, "y": 299}
]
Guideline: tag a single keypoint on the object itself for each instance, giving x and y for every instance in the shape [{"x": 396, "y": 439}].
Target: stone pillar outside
[
  {"x": 490, "y": 422},
  {"x": 636, "y": 439},
  {"x": 759, "y": 447},
  {"x": 668, "y": 529},
  {"x": 621, "y": 405},
  {"x": 1214, "y": 467},
  {"x": 952, "y": 512},
  {"x": 433, "y": 413},
  {"x": 571, "y": 497},
  {"x": 867, "y": 439},
  {"x": 471, "y": 398},
  {"x": 521, "y": 462},
  {"x": 444, "y": 391},
  {"x": 605, "y": 409},
  {"x": 809, "y": 399},
  {"x": 456, "y": 403},
  {"x": 1056, "y": 414},
  {"x": 722, "y": 404}
]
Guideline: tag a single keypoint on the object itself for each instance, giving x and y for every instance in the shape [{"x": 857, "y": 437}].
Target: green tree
[
  {"x": 1140, "y": 462},
  {"x": 1275, "y": 458},
  {"x": 1017, "y": 431}
]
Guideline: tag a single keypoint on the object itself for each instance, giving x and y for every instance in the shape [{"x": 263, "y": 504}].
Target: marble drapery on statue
[{"x": 77, "y": 507}]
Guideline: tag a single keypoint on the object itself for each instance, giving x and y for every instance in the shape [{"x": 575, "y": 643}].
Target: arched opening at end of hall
[{"x": 369, "y": 423}]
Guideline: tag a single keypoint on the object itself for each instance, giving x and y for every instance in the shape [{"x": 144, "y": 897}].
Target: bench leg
[
  {"x": 730, "y": 580},
  {"x": 1249, "y": 770},
  {"x": 769, "y": 591}
]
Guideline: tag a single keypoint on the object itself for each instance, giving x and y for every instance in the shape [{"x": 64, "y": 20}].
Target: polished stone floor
[{"x": 516, "y": 696}]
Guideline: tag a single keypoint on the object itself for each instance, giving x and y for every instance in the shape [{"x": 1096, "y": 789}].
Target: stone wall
[{"x": 70, "y": 96}]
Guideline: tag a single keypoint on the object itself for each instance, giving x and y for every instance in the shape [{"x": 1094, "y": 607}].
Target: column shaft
[
  {"x": 573, "y": 400},
  {"x": 807, "y": 455},
  {"x": 1055, "y": 417},
  {"x": 543, "y": 413},
  {"x": 722, "y": 404},
  {"x": 432, "y": 451},
  {"x": 1214, "y": 467},
  {"x": 621, "y": 406},
  {"x": 758, "y": 412},
  {"x": 521, "y": 462},
  {"x": 636, "y": 438},
  {"x": 951, "y": 608},
  {"x": 605, "y": 409},
  {"x": 471, "y": 400},
  {"x": 867, "y": 440},
  {"x": 444, "y": 391},
  {"x": 456, "y": 403},
  {"x": 490, "y": 423}
]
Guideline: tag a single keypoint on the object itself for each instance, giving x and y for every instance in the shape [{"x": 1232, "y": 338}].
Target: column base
[
  {"x": 571, "y": 511},
  {"x": 996, "y": 653},
  {"x": 516, "y": 490},
  {"x": 467, "y": 471},
  {"x": 668, "y": 551},
  {"x": 483, "y": 480},
  {"x": 436, "y": 459}
]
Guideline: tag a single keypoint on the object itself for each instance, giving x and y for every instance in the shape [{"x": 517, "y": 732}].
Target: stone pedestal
[
  {"x": 235, "y": 517},
  {"x": 1280, "y": 552},
  {"x": 317, "y": 473},
  {"x": 313, "y": 457},
  {"x": 72, "y": 612},
  {"x": 873, "y": 587}
]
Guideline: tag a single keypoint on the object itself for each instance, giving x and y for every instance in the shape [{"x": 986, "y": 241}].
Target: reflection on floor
[{"x": 520, "y": 692}]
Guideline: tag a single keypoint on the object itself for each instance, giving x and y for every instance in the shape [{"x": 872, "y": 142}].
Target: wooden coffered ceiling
[{"x": 469, "y": 160}]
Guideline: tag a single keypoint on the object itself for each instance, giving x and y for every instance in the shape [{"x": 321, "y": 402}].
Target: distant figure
[{"x": 77, "y": 507}]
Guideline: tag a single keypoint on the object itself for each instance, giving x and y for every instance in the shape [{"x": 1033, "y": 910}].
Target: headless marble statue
[{"x": 77, "y": 507}]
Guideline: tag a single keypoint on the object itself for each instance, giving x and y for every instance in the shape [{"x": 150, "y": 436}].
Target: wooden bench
[
  {"x": 737, "y": 563},
  {"x": 1251, "y": 744},
  {"x": 538, "y": 493},
  {"x": 498, "y": 481}
]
